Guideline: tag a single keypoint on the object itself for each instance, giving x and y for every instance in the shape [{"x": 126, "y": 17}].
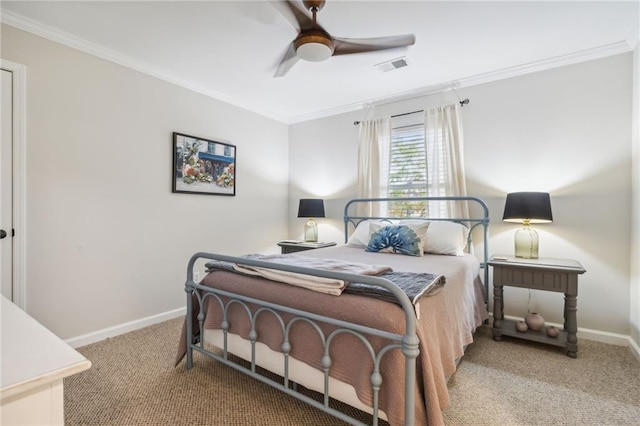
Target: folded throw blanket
[
  {"x": 414, "y": 285},
  {"x": 319, "y": 284}
]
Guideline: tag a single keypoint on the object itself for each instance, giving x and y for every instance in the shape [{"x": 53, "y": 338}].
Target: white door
[{"x": 6, "y": 186}]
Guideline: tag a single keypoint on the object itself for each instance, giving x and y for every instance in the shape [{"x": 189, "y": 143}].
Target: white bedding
[{"x": 299, "y": 372}]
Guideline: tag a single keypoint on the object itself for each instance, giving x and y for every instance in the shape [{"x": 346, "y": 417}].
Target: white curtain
[
  {"x": 445, "y": 165},
  {"x": 373, "y": 164}
]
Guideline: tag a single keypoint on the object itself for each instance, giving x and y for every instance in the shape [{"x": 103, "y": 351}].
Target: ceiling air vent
[{"x": 393, "y": 64}]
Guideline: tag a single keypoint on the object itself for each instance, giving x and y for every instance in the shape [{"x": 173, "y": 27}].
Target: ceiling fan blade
[
  {"x": 298, "y": 17},
  {"x": 346, "y": 46},
  {"x": 288, "y": 60}
]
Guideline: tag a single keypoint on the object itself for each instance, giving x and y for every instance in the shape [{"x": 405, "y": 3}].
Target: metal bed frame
[{"x": 408, "y": 342}]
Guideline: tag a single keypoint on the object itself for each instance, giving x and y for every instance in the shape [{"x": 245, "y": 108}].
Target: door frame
[{"x": 19, "y": 138}]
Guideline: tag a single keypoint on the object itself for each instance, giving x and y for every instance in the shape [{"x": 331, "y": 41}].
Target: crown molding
[
  {"x": 547, "y": 64},
  {"x": 37, "y": 28},
  {"x": 409, "y": 94},
  {"x": 327, "y": 112},
  {"x": 69, "y": 40}
]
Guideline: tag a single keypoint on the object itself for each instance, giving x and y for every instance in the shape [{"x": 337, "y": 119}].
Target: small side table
[
  {"x": 558, "y": 275},
  {"x": 290, "y": 246}
]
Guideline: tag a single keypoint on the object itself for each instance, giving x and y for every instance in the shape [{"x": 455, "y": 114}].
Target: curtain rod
[
  {"x": 462, "y": 104},
  {"x": 407, "y": 113}
]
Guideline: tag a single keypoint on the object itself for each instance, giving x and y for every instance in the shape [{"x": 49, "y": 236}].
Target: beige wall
[
  {"x": 566, "y": 131},
  {"x": 107, "y": 241},
  {"x": 634, "y": 299}
]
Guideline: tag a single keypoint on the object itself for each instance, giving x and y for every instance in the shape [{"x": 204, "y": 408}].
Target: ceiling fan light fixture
[{"x": 314, "y": 46}]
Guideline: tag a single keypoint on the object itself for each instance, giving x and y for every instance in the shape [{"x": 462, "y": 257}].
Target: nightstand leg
[
  {"x": 498, "y": 312},
  {"x": 571, "y": 324}
]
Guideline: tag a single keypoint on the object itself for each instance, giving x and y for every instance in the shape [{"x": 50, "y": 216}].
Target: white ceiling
[{"x": 230, "y": 50}]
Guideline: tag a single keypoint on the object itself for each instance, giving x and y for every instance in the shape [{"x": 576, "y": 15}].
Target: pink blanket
[{"x": 447, "y": 322}]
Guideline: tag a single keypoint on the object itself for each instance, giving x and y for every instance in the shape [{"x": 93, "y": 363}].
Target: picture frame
[{"x": 203, "y": 166}]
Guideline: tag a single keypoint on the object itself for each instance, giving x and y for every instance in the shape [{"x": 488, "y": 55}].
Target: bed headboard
[{"x": 473, "y": 222}]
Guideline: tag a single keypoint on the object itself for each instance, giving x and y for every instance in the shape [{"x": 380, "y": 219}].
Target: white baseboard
[
  {"x": 96, "y": 336},
  {"x": 635, "y": 348},
  {"x": 610, "y": 338},
  {"x": 598, "y": 336},
  {"x": 103, "y": 334}
]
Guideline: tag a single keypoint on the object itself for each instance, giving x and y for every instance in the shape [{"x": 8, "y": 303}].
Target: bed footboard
[{"x": 198, "y": 294}]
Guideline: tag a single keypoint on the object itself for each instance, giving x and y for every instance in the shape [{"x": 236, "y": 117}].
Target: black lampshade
[
  {"x": 311, "y": 208},
  {"x": 534, "y": 206}
]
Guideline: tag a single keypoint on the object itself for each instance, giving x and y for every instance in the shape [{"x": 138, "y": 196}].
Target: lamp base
[
  {"x": 526, "y": 243},
  {"x": 311, "y": 231}
]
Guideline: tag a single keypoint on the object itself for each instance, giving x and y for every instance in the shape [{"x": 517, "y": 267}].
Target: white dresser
[{"x": 34, "y": 362}]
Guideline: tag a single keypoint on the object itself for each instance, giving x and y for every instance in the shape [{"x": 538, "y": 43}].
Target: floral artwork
[
  {"x": 203, "y": 166},
  {"x": 193, "y": 169},
  {"x": 226, "y": 178}
]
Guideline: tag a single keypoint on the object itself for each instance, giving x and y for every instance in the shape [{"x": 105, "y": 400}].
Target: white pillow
[
  {"x": 362, "y": 233},
  {"x": 448, "y": 238},
  {"x": 415, "y": 221},
  {"x": 420, "y": 226}
]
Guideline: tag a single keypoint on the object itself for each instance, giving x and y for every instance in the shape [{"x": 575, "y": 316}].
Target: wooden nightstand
[
  {"x": 295, "y": 246},
  {"x": 559, "y": 275}
]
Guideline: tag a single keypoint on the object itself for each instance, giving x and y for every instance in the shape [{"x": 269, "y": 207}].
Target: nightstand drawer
[{"x": 561, "y": 282}]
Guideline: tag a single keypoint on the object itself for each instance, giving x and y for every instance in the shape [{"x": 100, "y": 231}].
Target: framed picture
[{"x": 203, "y": 166}]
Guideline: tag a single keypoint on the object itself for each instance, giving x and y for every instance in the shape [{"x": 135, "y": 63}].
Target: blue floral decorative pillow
[{"x": 397, "y": 239}]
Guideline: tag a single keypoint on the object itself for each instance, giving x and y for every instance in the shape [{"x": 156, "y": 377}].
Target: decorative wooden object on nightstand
[
  {"x": 559, "y": 275},
  {"x": 292, "y": 246}
]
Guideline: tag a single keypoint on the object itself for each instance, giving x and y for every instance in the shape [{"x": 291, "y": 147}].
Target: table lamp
[
  {"x": 527, "y": 208},
  {"x": 311, "y": 208}
]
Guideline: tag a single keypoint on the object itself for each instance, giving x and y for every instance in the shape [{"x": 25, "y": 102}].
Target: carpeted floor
[{"x": 133, "y": 382}]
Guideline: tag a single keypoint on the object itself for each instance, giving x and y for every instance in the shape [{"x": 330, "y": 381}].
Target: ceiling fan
[{"x": 315, "y": 44}]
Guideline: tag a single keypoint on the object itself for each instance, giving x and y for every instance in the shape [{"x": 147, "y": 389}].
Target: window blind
[{"x": 407, "y": 169}]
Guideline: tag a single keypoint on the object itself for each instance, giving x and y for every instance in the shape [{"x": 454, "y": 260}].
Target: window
[
  {"x": 414, "y": 157},
  {"x": 407, "y": 170}
]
